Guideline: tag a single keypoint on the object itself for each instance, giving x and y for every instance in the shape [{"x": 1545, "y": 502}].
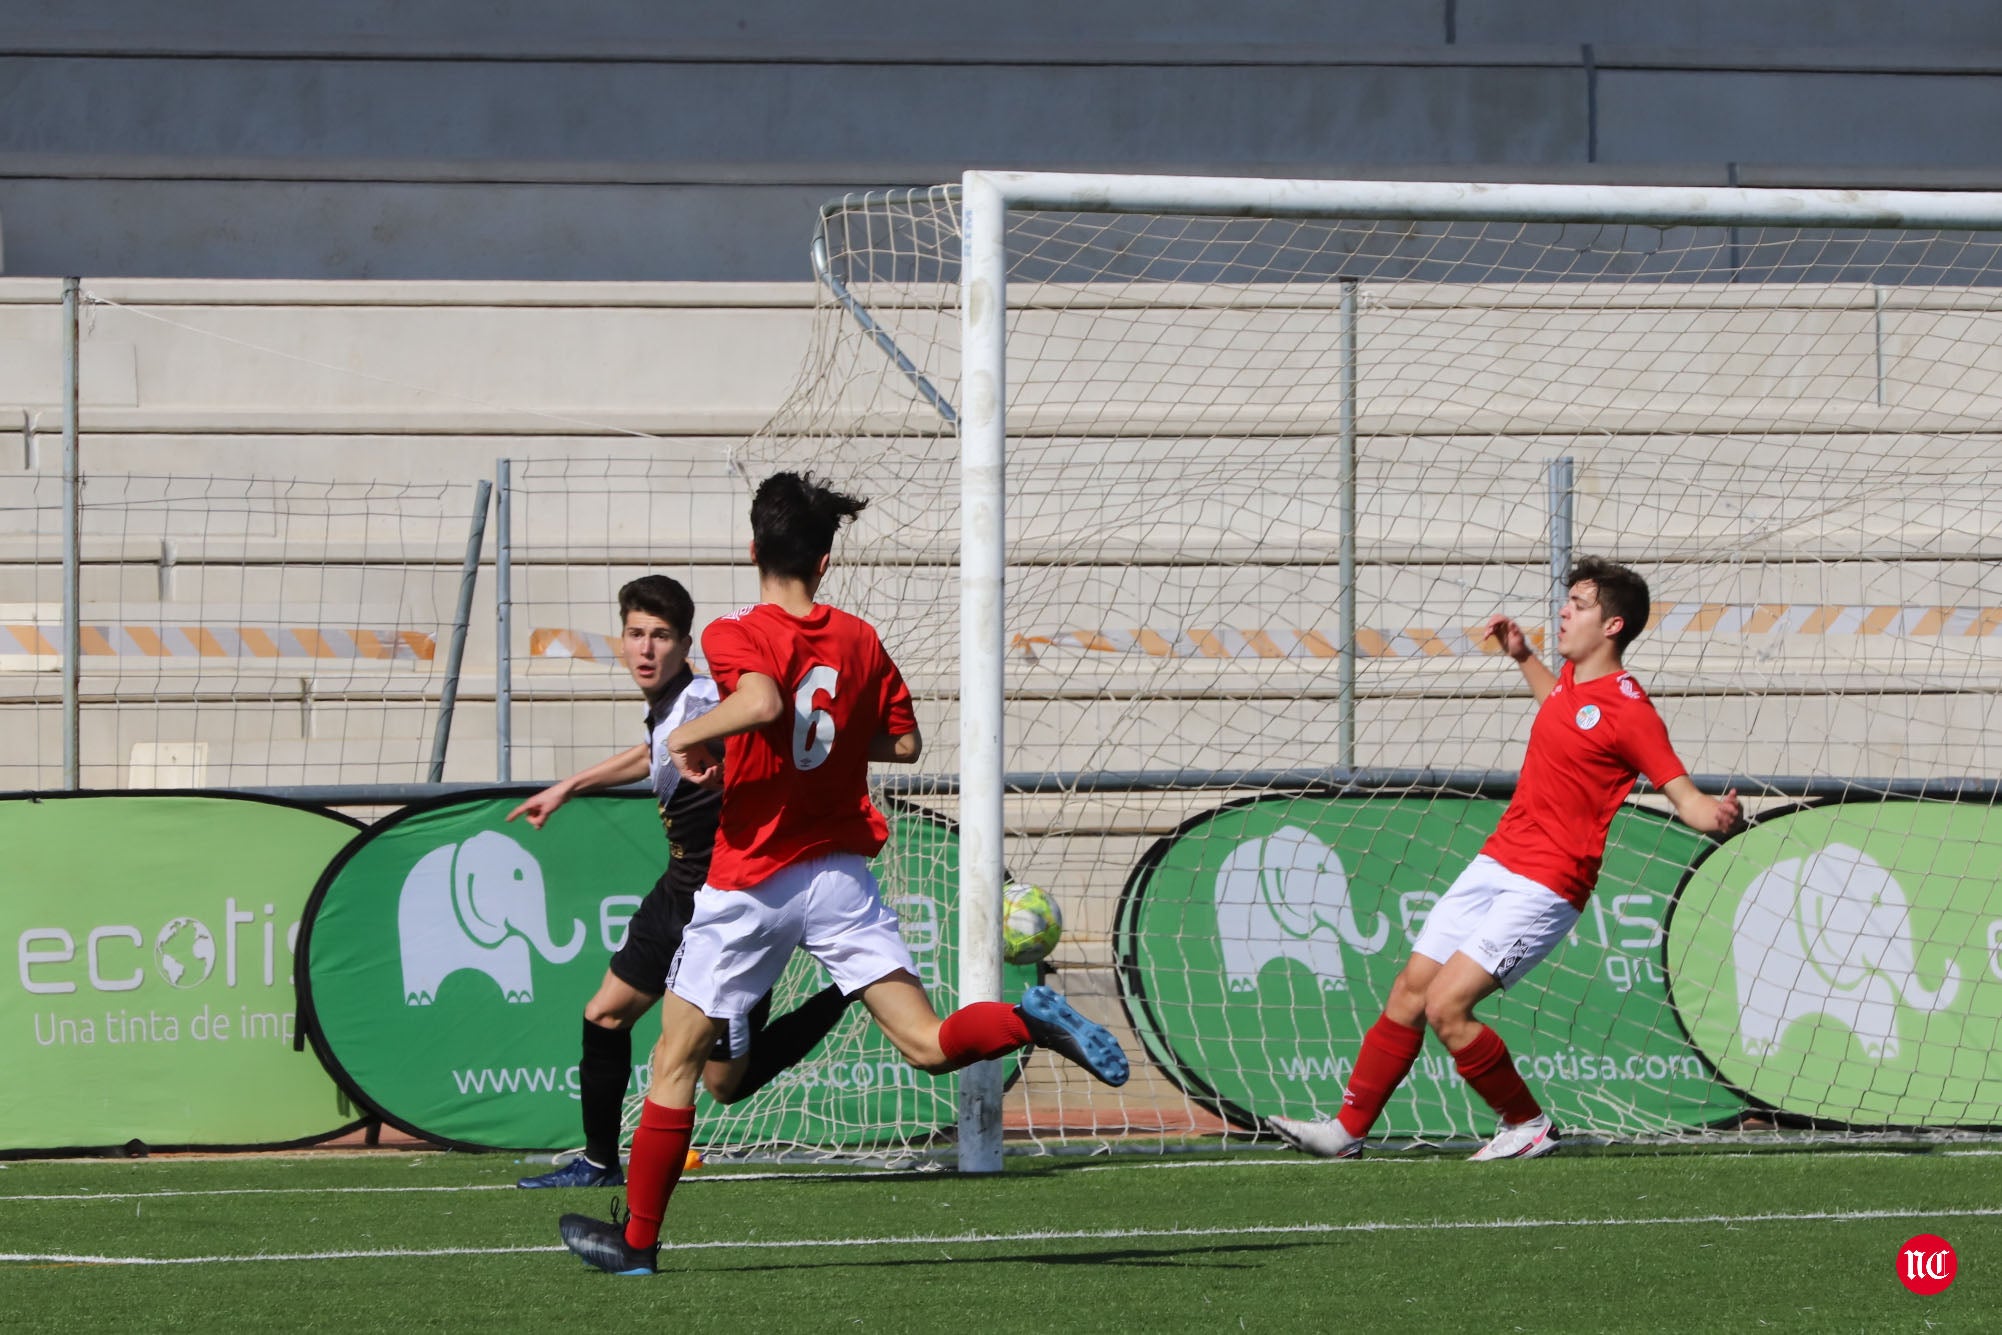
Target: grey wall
[{"x": 635, "y": 140}]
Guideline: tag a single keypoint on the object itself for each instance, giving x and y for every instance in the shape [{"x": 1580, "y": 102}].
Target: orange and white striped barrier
[
  {"x": 584, "y": 646},
  {"x": 157, "y": 641},
  {"x": 1824, "y": 619},
  {"x": 1226, "y": 642},
  {"x": 578, "y": 644},
  {"x": 1672, "y": 619}
]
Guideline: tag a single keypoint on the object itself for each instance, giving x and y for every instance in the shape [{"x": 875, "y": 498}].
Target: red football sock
[
  {"x": 979, "y": 1031},
  {"x": 1388, "y": 1050},
  {"x": 1486, "y": 1065},
  {"x": 660, "y": 1151}
]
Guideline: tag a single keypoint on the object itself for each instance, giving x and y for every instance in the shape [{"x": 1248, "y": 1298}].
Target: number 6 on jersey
[{"x": 812, "y": 729}]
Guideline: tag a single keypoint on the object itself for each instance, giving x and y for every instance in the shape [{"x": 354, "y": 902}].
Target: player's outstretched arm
[
  {"x": 1712, "y": 815},
  {"x": 1515, "y": 643},
  {"x": 902, "y": 748},
  {"x": 625, "y": 767}
]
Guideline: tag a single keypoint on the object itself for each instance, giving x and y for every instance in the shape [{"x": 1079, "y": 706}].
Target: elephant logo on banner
[
  {"x": 476, "y": 905},
  {"x": 1287, "y": 897},
  {"x": 1830, "y": 935}
]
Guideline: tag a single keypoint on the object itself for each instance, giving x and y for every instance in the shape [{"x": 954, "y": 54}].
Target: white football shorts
[
  {"x": 1505, "y": 923},
  {"x": 739, "y": 941}
]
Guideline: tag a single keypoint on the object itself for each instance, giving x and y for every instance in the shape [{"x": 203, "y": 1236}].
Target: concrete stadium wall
[
  {"x": 628, "y": 141},
  {"x": 269, "y": 455},
  {"x": 272, "y": 454}
]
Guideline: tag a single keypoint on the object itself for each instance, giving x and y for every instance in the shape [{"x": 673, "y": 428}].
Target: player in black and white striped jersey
[{"x": 656, "y": 616}]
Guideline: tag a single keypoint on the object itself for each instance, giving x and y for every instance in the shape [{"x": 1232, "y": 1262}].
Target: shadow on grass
[{"x": 1128, "y": 1256}]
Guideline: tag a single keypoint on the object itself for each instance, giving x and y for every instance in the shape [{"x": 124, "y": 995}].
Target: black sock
[
  {"x": 790, "y": 1037},
  {"x": 602, "y": 1077}
]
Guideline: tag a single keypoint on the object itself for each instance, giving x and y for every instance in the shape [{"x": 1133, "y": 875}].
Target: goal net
[{"x": 1273, "y": 454}]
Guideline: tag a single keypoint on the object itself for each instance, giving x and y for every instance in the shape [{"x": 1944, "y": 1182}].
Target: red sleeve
[
  {"x": 899, "y": 718},
  {"x": 1644, "y": 745},
  {"x": 731, "y": 651}
]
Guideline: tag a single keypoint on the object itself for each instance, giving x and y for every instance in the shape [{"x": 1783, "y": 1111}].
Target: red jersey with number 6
[
  {"x": 1588, "y": 743},
  {"x": 798, "y": 788}
]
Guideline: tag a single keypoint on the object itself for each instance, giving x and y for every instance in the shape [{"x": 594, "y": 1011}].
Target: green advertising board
[
  {"x": 151, "y": 995},
  {"x": 1258, "y": 943},
  {"x": 1844, "y": 963},
  {"x": 457, "y": 1016}
]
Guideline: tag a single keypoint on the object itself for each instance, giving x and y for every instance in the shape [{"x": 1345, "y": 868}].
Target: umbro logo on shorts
[{"x": 1510, "y": 958}]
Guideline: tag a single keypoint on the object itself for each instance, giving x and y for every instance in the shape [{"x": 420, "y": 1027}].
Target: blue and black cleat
[
  {"x": 1054, "y": 1025},
  {"x": 602, "y": 1244},
  {"x": 579, "y": 1172}
]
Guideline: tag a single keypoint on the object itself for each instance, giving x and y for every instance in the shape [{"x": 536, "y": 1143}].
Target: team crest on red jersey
[{"x": 1588, "y": 718}]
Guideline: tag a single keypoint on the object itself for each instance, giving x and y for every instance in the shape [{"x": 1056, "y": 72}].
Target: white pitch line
[{"x": 1054, "y": 1235}]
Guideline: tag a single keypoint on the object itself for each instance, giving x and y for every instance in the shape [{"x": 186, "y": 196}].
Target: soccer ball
[{"x": 1031, "y": 924}]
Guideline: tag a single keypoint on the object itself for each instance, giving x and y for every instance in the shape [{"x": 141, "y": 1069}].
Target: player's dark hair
[
  {"x": 1622, "y": 593},
  {"x": 793, "y": 520},
  {"x": 659, "y": 596}
]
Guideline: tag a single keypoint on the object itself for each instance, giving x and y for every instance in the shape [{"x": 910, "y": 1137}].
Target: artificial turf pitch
[{"x": 1579, "y": 1241}]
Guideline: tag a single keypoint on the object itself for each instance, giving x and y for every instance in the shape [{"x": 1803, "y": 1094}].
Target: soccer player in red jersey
[
  {"x": 1595, "y": 731},
  {"x": 656, "y": 618},
  {"x": 809, "y": 698}
]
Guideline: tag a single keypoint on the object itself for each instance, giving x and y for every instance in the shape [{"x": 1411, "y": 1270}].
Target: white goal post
[{"x": 985, "y": 202}]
